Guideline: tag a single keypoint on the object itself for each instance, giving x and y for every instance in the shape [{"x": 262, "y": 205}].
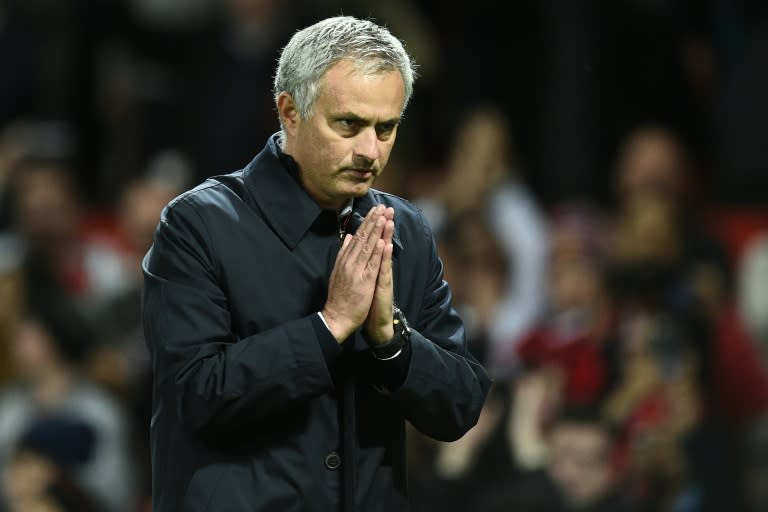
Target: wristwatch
[{"x": 393, "y": 347}]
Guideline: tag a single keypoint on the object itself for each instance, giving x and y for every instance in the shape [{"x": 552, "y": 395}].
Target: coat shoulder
[{"x": 218, "y": 193}]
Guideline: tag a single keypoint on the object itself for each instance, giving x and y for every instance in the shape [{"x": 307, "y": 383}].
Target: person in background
[
  {"x": 671, "y": 449},
  {"x": 571, "y": 339},
  {"x": 749, "y": 342},
  {"x": 39, "y": 475},
  {"x": 656, "y": 198},
  {"x": 49, "y": 344},
  {"x": 120, "y": 363},
  {"x": 483, "y": 179},
  {"x": 476, "y": 266},
  {"x": 58, "y": 251},
  {"x": 579, "y": 475}
]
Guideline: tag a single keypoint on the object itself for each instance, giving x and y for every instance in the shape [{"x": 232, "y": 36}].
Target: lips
[{"x": 361, "y": 173}]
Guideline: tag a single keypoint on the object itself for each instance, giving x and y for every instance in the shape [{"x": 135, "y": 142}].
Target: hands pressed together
[{"x": 360, "y": 288}]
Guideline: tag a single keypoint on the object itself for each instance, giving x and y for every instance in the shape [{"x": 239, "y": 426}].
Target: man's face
[
  {"x": 579, "y": 463},
  {"x": 346, "y": 142}
]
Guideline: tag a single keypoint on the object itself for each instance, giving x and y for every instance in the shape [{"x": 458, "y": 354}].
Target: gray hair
[{"x": 314, "y": 50}]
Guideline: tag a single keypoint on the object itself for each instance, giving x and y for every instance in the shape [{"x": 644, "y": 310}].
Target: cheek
[
  {"x": 336, "y": 154},
  {"x": 384, "y": 151}
]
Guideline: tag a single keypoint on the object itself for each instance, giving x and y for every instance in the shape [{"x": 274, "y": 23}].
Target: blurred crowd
[{"x": 594, "y": 173}]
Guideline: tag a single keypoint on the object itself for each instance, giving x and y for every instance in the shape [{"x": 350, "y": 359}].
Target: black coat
[{"x": 255, "y": 407}]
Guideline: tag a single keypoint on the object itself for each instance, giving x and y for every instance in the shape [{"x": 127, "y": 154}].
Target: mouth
[{"x": 363, "y": 174}]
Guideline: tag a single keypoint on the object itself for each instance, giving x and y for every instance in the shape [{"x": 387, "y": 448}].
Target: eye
[
  {"x": 347, "y": 124},
  {"x": 385, "y": 130}
]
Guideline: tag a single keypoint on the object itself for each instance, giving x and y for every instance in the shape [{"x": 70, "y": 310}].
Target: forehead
[
  {"x": 344, "y": 89},
  {"x": 579, "y": 437}
]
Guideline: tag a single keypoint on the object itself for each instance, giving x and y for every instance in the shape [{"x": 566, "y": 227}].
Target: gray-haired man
[{"x": 297, "y": 317}]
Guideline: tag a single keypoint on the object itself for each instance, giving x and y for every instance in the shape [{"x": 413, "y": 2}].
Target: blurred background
[{"x": 595, "y": 173}]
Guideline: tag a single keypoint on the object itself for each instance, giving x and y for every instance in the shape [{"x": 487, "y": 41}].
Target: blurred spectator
[
  {"x": 50, "y": 342},
  {"x": 57, "y": 248},
  {"x": 28, "y": 140},
  {"x": 671, "y": 448},
  {"x": 663, "y": 260},
  {"x": 476, "y": 267},
  {"x": 572, "y": 336},
  {"x": 751, "y": 396},
  {"x": 38, "y": 476},
  {"x": 119, "y": 317},
  {"x": 448, "y": 477},
  {"x": 660, "y": 243},
  {"x": 741, "y": 365},
  {"x": 483, "y": 179},
  {"x": 508, "y": 445},
  {"x": 121, "y": 362},
  {"x": 753, "y": 291},
  {"x": 579, "y": 474}
]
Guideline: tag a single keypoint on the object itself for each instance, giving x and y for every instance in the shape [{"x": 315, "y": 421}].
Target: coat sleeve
[
  {"x": 445, "y": 387},
  {"x": 213, "y": 380}
]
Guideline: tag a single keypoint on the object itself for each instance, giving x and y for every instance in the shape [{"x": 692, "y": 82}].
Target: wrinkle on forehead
[{"x": 378, "y": 96}]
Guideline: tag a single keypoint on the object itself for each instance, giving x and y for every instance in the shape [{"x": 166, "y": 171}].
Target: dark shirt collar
[{"x": 272, "y": 178}]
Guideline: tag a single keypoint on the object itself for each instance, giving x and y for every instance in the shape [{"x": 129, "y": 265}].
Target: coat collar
[{"x": 272, "y": 178}]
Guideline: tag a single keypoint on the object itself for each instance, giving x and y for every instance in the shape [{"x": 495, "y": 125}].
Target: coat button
[{"x": 332, "y": 461}]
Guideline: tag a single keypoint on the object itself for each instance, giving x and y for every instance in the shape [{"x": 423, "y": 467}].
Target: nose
[{"x": 367, "y": 145}]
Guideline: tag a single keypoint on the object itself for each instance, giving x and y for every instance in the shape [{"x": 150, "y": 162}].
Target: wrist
[
  {"x": 382, "y": 336},
  {"x": 335, "y": 325},
  {"x": 393, "y": 346}
]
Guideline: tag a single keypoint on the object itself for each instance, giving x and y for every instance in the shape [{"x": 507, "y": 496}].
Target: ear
[{"x": 289, "y": 115}]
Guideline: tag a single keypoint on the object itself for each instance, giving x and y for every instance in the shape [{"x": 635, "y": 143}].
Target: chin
[{"x": 359, "y": 190}]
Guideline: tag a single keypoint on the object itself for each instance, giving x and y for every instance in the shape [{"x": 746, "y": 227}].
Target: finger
[
  {"x": 346, "y": 246},
  {"x": 385, "y": 269},
  {"x": 346, "y": 242},
  {"x": 363, "y": 234},
  {"x": 343, "y": 249},
  {"x": 388, "y": 232},
  {"x": 373, "y": 264},
  {"x": 364, "y": 240},
  {"x": 389, "y": 213},
  {"x": 369, "y": 245}
]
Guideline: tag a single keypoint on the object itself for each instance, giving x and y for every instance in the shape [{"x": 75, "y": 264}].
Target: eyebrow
[{"x": 358, "y": 119}]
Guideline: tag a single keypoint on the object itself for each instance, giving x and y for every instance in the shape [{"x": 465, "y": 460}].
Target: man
[
  {"x": 283, "y": 372},
  {"x": 580, "y": 473}
]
